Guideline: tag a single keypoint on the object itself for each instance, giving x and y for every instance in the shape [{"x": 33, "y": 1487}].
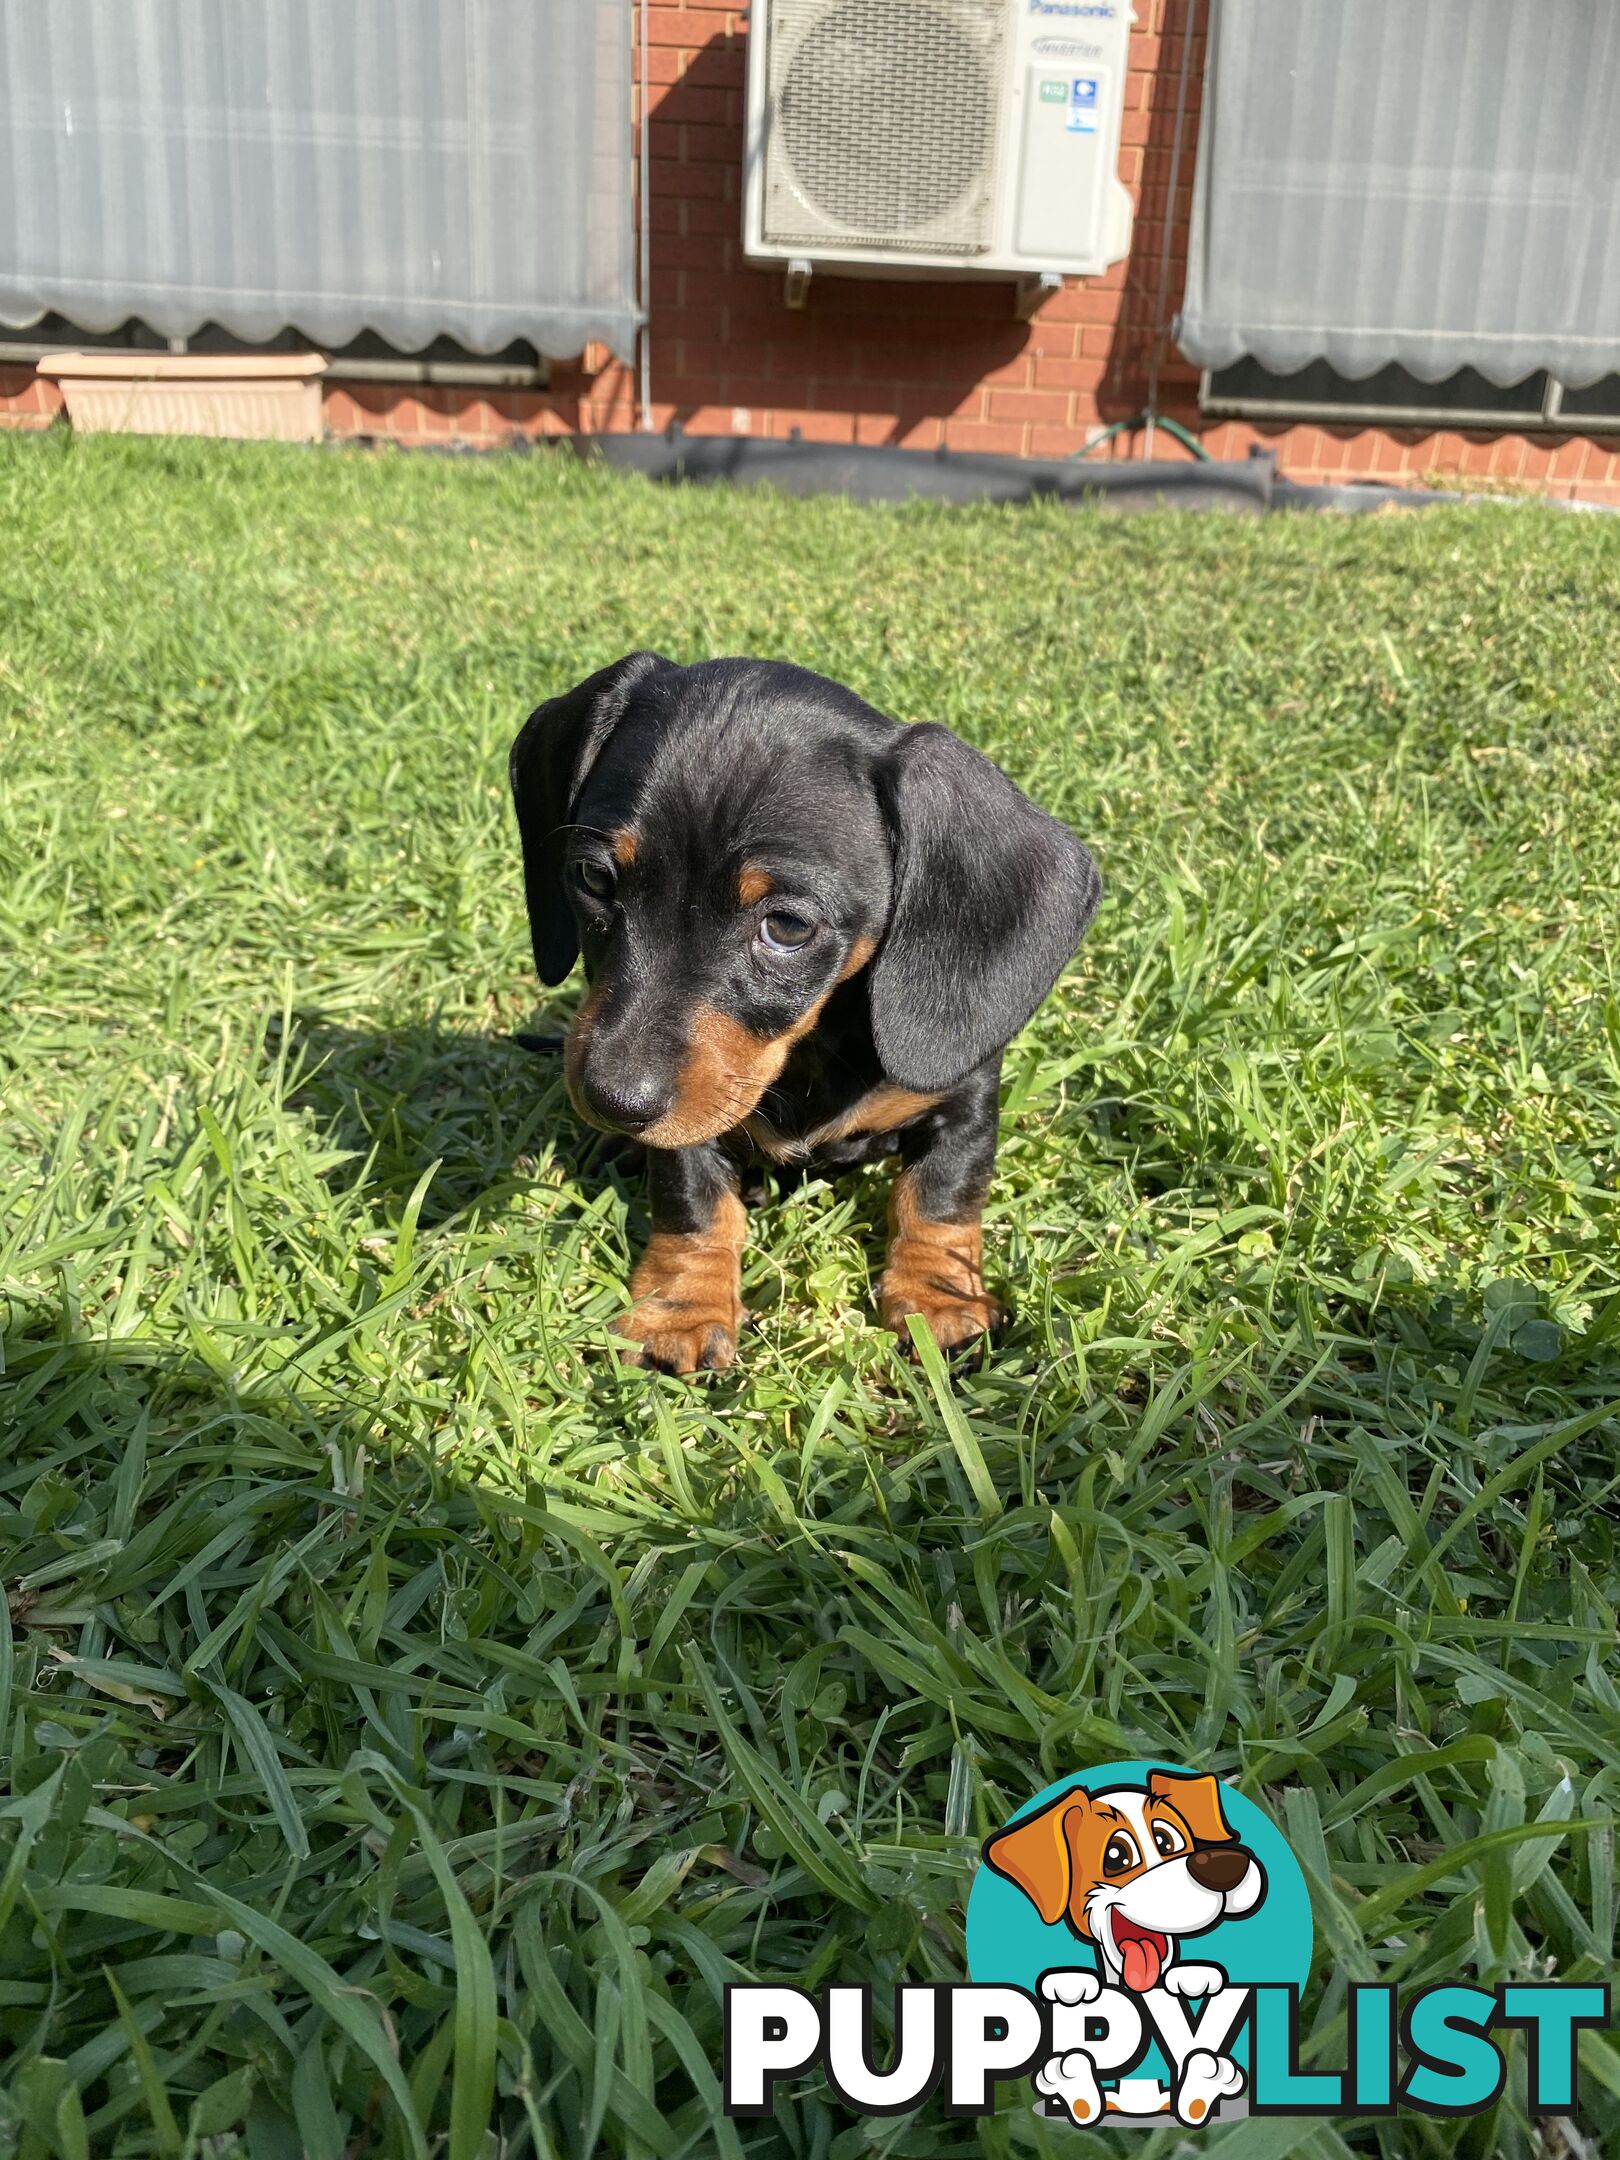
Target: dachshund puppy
[{"x": 808, "y": 933}]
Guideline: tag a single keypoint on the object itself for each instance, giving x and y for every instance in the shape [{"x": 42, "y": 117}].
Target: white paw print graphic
[
  {"x": 1071, "y": 2078},
  {"x": 1206, "y": 2080}
]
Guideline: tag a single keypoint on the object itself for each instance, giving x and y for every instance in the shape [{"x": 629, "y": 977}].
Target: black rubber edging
[{"x": 872, "y": 473}]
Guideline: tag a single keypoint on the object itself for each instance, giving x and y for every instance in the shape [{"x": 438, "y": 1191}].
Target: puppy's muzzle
[{"x": 616, "y": 1083}]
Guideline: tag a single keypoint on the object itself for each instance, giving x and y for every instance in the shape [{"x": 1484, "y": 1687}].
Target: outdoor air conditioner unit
[{"x": 964, "y": 137}]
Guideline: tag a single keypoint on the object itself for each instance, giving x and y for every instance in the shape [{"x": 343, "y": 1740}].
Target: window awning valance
[
  {"x": 1434, "y": 183},
  {"x": 415, "y": 168}
]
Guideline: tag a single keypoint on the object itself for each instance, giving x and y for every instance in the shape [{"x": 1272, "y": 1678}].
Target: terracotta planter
[{"x": 274, "y": 397}]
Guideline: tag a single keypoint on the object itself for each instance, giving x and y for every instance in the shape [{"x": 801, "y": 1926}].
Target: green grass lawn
[{"x": 414, "y": 1719}]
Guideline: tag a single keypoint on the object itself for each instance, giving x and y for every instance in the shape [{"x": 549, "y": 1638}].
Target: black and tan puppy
[{"x": 808, "y": 932}]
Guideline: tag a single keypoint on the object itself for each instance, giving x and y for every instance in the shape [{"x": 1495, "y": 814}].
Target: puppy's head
[
  {"x": 1132, "y": 1870},
  {"x": 727, "y": 843}
]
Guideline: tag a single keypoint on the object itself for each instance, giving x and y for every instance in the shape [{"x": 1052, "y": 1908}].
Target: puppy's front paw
[
  {"x": 688, "y": 1297},
  {"x": 953, "y": 1319},
  {"x": 935, "y": 1271},
  {"x": 673, "y": 1338},
  {"x": 1071, "y": 1984},
  {"x": 1192, "y": 1979}
]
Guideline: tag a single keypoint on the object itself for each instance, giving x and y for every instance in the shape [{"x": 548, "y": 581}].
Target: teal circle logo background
[{"x": 1009, "y": 1944}]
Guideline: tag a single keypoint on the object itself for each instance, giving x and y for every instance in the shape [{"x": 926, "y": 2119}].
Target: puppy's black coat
[{"x": 807, "y": 931}]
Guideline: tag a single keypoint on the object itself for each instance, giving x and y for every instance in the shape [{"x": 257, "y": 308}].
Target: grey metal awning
[
  {"x": 416, "y": 168},
  {"x": 1434, "y": 183}
]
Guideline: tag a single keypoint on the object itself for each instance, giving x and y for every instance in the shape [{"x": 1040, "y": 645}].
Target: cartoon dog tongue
[{"x": 1143, "y": 1959}]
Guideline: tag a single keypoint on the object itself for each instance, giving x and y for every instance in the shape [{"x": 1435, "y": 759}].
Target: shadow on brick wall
[
  {"x": 1144, "y": 314},
  {"x": 875, "y": 360}
]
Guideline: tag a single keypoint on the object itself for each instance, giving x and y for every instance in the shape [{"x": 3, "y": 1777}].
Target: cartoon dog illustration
[{"x": 1133, "y": 1872}]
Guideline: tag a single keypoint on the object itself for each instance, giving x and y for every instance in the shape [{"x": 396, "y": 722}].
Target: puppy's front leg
[
  {"x": 687, "y": 1284},
  {"x": 935, "y": 1264}
]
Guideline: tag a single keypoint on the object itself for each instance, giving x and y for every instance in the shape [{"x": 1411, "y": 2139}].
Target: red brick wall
[{"x": 914, "y": 363}]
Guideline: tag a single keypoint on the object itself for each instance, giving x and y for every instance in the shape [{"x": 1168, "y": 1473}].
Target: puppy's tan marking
[
  {"x": 725, "y": 1071},
  {"x": 885, "y": 1109},
  {"x": 688, "y": 1296},
  {"x": 624, "y": 844},
  {"x": 753, "y": 884},
  {"x": 935, "y": 1269},
  {"x": 881, "y": 1109},
  {"x": 859, "y": 953}
]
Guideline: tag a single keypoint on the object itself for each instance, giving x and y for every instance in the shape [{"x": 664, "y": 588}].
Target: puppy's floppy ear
[
  {"x": 1034, "y": 1853},
  {"x": 1197, "y": 1800},
  {"x": 991, "y": 897},
  {"x": 559, "y": 743}
]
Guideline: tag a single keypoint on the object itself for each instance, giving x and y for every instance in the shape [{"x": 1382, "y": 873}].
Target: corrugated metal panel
[
  {"x": 417, "y": 168},
  {"x": 1430, "y": 182}
]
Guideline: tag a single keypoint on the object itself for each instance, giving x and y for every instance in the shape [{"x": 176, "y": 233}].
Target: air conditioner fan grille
[{"x": 884, "y": 118}]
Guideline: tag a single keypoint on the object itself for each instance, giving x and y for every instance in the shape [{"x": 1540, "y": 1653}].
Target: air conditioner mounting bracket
[{"x": 1029, "y": 292}]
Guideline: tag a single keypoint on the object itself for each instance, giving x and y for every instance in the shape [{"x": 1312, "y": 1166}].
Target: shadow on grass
[
  {"x": 483, "y": 1108},
  {"x": 283, "y": 1680},
  {"x": 216, "y": 1744},
  {"x": 282, "y": 1672}
]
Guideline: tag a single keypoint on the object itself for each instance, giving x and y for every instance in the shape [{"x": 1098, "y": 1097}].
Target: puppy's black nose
[
  {"x": 1218, "y": 1867},
  {"x": 628, "y": 1101}
]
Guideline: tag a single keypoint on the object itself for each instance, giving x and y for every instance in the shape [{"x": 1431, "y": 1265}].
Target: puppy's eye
[
  {"x": 1119, "y": 1854},
  {"x": 594, "y": 878},
  {"x": 784, "y": 931},
  {"x": 1167, "y": 1840}
]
